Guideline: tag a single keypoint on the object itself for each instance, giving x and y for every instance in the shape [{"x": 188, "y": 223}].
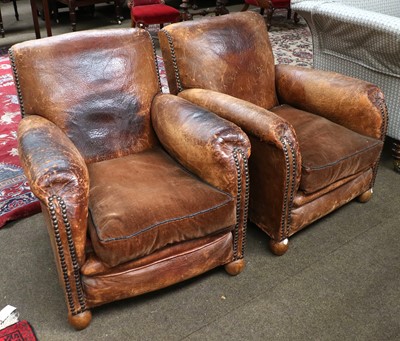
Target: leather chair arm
[
  {"x": 275, "y": 164},
  {"x": 253, "y": 119},
  {"x": 350, "y": 102},
  {"x": 56, "y": 173},
  {"x": 202, "y": 142}
]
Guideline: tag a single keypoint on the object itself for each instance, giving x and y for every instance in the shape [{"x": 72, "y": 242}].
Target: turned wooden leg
[
  {"x": 15, "y": 9},
  {"x": 245, "y": 7},
  {"x": 220, "y": 8},
  {"x": 72, "y": 15},
  {"x": 365, "y": 196},
  {"x": 396, "y": 155},
  {"x": 1, "y": 26},
  {"x": 184, "y": 9},
  {"x": 289, "y": 14},
  {"x": 270, "y": 12},
  {"x": 80, "y": 321},
  {"x": 279, "y": 248},
  {"x": 236, "y": 267},
  {"x": 296, "y": 18}
]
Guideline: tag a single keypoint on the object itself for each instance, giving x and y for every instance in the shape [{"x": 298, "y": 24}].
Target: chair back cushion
[
  {"x": 230, "y": 54},
  {"x": 97, "y": 86}
]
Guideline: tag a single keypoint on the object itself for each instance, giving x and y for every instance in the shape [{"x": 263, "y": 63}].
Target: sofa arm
[
  {"x": 55, "y": 170},
  {"x": 352, "y": 103},
  {"x": 361, "y": 36},
  {"x": 199, "y": 140}
]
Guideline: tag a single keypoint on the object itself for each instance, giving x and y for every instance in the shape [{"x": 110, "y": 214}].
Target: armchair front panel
[{"x": 92, "y": 91}]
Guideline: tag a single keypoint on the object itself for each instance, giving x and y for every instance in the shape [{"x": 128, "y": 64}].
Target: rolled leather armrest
[
  {"x": 350, "y": 102},
  {"x": 199, "y": 140},
  {"x": 275, "y": 164},
  {"x": 253, "y": 119},
  {"x": 263, "y": 124},
  {"x": 54, "y": 167}
]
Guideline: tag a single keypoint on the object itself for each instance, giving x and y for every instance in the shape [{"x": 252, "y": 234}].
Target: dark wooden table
[{"x": 189, "y": 9}]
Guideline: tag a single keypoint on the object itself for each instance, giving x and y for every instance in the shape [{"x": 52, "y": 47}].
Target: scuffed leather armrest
[
  {"x": 199, "y": 140},
  {"x": 275, "y": 164},
  {"x": 54, "y": 167},
  {"x": 254, "y": 120},
  {"x": 350, "y": 102}
]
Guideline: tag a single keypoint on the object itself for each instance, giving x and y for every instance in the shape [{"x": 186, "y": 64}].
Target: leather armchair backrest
[
  {"x": 97, "y": 86},
  {"x": 231, "y": 55}
]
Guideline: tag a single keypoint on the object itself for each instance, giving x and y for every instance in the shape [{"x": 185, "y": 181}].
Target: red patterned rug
[
  {"x": 20, "y": 331},
  {"x": 16, "y": 199}
]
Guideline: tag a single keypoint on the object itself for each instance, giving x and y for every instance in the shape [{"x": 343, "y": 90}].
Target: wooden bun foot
[
  {"x": 365, "y": 196},
  {"x": 396, "y": 165},
  {"x": 396, "y": 155},
  {"x": 80, "y": 321},
  {"x": 279, "y": 248},
  {"x": 234, "y": 268}
]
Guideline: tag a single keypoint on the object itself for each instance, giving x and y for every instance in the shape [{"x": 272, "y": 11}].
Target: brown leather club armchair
[
  {"x": 140, "y": 190},
  {"x": 316, "y": 136}
]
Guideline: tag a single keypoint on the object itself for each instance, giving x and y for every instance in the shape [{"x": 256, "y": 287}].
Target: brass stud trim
[
  {"x": 17, "y": 82},
  {"x": 155, "y": 61},
  {"x": 288, "y": 197},
  {"x": 52, "y": 202},
  {"x": 235, "y": 153},
  {"x": 174, "y": 62}
]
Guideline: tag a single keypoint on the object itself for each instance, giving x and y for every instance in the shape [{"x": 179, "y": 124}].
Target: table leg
[
  {"x": 35, "y": 18},
  {"x": 47, "y": 18}
]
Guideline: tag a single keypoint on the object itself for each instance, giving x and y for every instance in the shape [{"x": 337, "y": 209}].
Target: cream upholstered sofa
[{"x": 359, "y": 38}]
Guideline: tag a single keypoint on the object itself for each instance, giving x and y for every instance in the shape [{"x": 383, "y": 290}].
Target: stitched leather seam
[
  {"x": 187, "y": 252},
  {"x": 340, "y": 160},
  {"x": 165, "y": 222}
]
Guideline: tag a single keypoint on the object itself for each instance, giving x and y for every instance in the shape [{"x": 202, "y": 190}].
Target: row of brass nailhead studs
[
  {"x": 17, "y": 84},
  {"x": 174, "y": 62},
  {"x": 382, "y": 109},
  {"x": 61, "y": 254},
  {"x": 287, "y": 204},
  {"x": 155, "y": 59},
  {"x": 239, "y": 202}
]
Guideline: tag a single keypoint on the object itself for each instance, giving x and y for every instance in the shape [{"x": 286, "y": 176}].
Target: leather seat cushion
[
  {"x": 330, "y": 152},
  {"x": 144, "y": 202},
  {"x": 155, "y": 14}
]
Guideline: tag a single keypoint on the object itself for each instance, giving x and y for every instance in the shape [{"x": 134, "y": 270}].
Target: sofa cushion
[
  {"x": 146, "y": 201},
  {"x": 330, "y": 152}
]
